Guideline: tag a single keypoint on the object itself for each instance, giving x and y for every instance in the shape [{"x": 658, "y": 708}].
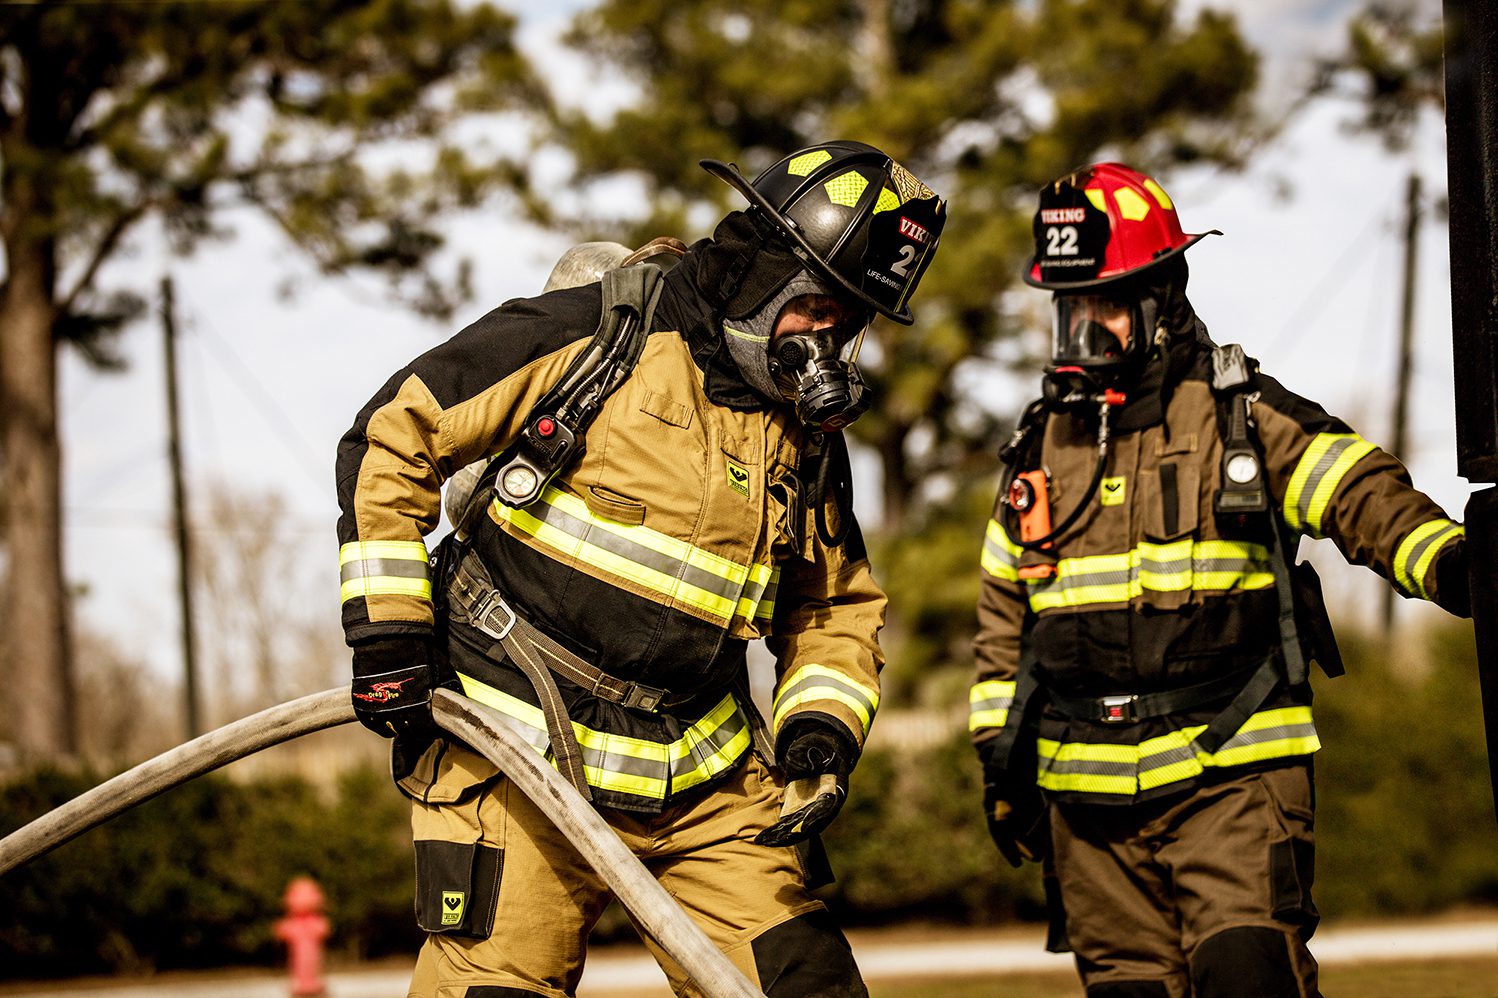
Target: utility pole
[
  {"x": 1471, "y": 50},
  {"x": 1406, "y": 351},
  {"x": 179, "y": 511}
]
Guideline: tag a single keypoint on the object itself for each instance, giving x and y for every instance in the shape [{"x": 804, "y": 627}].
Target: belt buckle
[
  {"x": 488, "y": 605},
  {"x": 644, "y": 697},
  {"x": 1118, "y": 709}
]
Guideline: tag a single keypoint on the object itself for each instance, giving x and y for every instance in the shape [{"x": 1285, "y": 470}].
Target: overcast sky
[{"x": 1309, "y": 284}]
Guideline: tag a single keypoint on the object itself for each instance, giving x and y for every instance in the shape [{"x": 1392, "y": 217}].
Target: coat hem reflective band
[
  {"x": 635, "y": 766},
  {"x": 811, "y": 683},
  {"x": 383, "y": 568},
  {"x": 561, "y": 524},
  {"x": 1125, "y": 770},
  {"x": 1417, "y": 551},
  {"x": 989, "y": 703},
  {"x": 1000, "y": 555},
  {"x": 1184, "y": 565},
  {"x": 1318, "y": 473}
]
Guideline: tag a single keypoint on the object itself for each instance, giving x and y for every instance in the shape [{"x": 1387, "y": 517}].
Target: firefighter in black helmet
[
  {"x": 1142, "y": 706},
  {"x": 704, "y": 509}
]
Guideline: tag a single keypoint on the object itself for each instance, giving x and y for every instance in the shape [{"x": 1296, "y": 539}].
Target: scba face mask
[
  {"x": 814, "y": 369},
  {"x": 817, "y": 371},
  {"x": 1098, "y": 342}
]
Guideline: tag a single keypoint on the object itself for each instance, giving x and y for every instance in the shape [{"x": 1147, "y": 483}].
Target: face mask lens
[{"x": 1090, "y": 329}]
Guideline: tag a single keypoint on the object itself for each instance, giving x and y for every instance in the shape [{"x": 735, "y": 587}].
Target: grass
[{"x": 1446, "y": 978}]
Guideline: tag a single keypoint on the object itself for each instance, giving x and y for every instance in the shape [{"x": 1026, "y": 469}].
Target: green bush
[{"x": 195, "y": 877}]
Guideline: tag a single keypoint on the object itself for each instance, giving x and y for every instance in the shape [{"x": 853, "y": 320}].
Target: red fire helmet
[{"x": 1100, "y": 223}]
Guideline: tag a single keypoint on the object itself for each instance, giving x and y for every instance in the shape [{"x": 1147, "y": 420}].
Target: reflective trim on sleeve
[
  {"x": 1184, "y": 565},
  {"x": 1000, "y": 555},
  {"x": 383, "y": 568},
  {"x": 1318, "y": 473},
  {"x": 988, "y": 703},
  {"x": 1413, "y": 558},
  {"x": 1125, "y": 770},
  {"x": 562, "y": 525},
  {"x": 817, "y": 682},
  {"x": 635, "y": 766}
]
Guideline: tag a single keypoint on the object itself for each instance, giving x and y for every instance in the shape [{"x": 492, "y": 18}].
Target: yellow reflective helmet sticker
[{"x": 802, "y": 165}]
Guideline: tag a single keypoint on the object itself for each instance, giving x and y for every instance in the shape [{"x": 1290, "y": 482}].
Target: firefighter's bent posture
[
  {"x": 1144, "y": 633},
  {"x": 607, "y": 617}
]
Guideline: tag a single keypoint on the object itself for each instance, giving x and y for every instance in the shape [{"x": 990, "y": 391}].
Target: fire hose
[{"x": 486, "y": 732}]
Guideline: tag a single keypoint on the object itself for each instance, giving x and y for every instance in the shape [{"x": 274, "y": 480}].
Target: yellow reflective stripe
[
  {"x": 814, "y": 682},
  {"x": 629, "y": 765},
  {"x": 719, "y": 757},
  {"x": 989, "y": 703},
  {"x": 1101, "y": 768},
  {"x": 393, "y": 550},
  {"x": 664, "y": 583},
  {"x": 1415, "y": 553},
  {"x": 1000, "y": 556},
  {"x": 1203, "y": 566},
  {"x": 666, "y": 565},
  {"x": 1316, "y": 477},
  {"x": 385, "y": 586},
  {"x": 383, "y": 568},
  {"x": 758, "y": 600}
]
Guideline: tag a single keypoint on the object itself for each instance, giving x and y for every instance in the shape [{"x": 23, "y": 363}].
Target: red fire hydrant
[{"x": 303, "y": 930}]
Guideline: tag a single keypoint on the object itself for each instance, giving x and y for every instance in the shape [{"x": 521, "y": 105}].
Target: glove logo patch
[
  {"x": 738, "y": 478},
  {"x": 381, "y": 692},
  {"x": 452, "y": 907}
]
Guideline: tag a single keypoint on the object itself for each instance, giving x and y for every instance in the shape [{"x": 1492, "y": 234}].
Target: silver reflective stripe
[
  {"x": 1086, "y": 767},
  {"x": 637, "y": 553},
  {"x": 369, "y": 568}
]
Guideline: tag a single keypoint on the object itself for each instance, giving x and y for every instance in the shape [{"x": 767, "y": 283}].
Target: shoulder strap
[{"x": 552, "y": 436}]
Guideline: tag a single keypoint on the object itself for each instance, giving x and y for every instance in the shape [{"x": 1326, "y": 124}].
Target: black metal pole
[
  {"x": 1471, "y": 28},
  {"x": 179, "y": 512},
  {"x": 1397, "y": 446}
]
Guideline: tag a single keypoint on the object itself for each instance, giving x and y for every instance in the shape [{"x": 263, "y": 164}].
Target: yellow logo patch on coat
[
  {"x": 1111, "y": 492},
  {"x": 452, "y": 907},
  {"x": 738, "y": 478}
]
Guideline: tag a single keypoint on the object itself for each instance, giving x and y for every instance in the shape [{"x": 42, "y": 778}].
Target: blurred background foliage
[{"x": 195, "y": 877}]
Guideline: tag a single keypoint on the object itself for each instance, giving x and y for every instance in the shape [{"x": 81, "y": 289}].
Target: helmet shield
[
  {"x": 1093, "y": 330},
  {"x": 854, "y": 215}
]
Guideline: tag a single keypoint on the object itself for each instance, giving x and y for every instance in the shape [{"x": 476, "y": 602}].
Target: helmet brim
[
  {"x": 731, "y": 176},
  {"x": 1035, "y": 282}
]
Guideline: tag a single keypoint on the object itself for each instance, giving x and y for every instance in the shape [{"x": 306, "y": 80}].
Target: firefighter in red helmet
[{"x": 1142, "y": 705}]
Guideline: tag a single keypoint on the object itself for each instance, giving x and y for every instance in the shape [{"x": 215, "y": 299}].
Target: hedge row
[{"x": 195, "y": 878}]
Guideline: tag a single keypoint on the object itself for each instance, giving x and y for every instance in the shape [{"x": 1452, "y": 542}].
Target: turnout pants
[
  {"x": 507, "y": 903},
  {"x": 1206, "y": 894}
]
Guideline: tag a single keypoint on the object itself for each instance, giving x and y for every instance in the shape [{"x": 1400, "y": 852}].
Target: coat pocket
[
  {"x": 1168, "y": 502},
  {"x": 1170, "y": 498},
  {"x": 457, "y": 827},
  {"x": 611, "y": 505}
]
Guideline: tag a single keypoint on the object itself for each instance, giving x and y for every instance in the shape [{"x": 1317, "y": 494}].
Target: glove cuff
[{"x": 809, "y": 746}]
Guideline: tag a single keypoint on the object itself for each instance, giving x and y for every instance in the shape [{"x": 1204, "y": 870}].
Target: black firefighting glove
[
  {"x": 1016, "y": 815},
  {"x": 817, "y": 759},
  {"x": 1453, "y": 586},
  {"x": 392, "y": 688}
]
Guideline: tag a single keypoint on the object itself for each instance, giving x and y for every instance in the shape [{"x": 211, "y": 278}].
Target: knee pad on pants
[
  {"x": 1252, "y": 962},
  {"x": 1128, "y": 989},
  {"x": 807, "y": 955}
]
